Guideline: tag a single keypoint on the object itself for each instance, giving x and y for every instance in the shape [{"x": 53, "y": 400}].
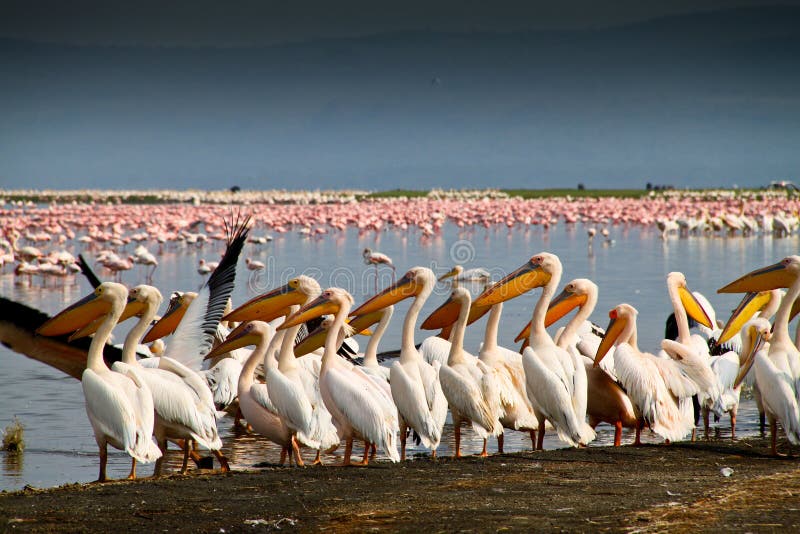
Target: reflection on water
[{"x": 60, "y": 446}]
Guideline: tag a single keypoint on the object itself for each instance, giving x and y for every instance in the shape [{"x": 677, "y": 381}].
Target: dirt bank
[{"x": 650, "y": 488}]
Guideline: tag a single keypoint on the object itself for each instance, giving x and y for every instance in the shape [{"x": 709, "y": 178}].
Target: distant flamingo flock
[{"x": 35, "y": 238}]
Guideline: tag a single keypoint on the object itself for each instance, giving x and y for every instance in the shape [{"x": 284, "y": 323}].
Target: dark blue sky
[{"x": 347, "y": 94}]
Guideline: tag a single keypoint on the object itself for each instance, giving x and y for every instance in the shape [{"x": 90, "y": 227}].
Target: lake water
[{"x": 59, "y": 445}]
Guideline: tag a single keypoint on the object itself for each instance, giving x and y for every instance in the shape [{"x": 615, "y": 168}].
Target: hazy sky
[{"x": 255, "y": 22}]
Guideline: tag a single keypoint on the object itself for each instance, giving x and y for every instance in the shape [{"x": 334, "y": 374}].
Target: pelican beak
[
  {"x": 513, "y": 285},
  {"x": 452, "y": 272},
  {"x": 132, "y": 308},
  {"x": 319, "y": 306},
  {"x": 614, "y": 330},
  {"x": 237, "y": 339},
  {"x": 76, "y": 316},
  {"x": 771, "y": 277},
  {"x": 311, "y": 342},
  {"x": 693, "y": 308},
  {"x": 362, "y": 323},
  {"x": 476, "y": 312},
  {"x": 405, "y": 287},
  {"x": 525, "y": 333},
  {"x": 443, "y": 316},
  {"x": 268, "y": 306},
  {"x": 564, "y": 303},
  {"x": 756, "y": 341},
  {"x": 170, "y": 321},
  {"x": 750, "y": 304}
]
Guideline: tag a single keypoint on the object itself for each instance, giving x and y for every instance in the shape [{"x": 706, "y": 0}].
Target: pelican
[
  {"x": 458, "y": 274},
  {"x": 468, "y": 386},
  {"x": 607, "y": 402},
  {"x": 254, "y": 398},
  {"x": 781, "y": 366},
  {"x": 180, "y": 410},
  {"x": 359, "y": 408},
  {"x": 655, "y": 385},
  {"x": 556, "y": 381},
  {"x": 415, "y": 385},
  {"x": 303, "y": 373},
  {"x": 119, "y": 404}
]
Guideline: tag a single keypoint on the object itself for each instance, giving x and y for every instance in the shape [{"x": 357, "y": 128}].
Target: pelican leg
[
  {"x": 403, "y": 436},
  {"x": 637, "y": 442},
  {"x": 618, "y": 433},
  {"x": 162, "y": 446},
  {"x": 103, "y": 461},
  {"x": 705, "y": 421},
  {"x": 317, "y": 458},
  {"x": 532, "y": 433},
  {"x": 348, "y": 450},
  {"x": 773, "y": 430},
  {"x": 500, "y": 439},
  {"x": 186, "y": 449},
  {"x": 540, "y": 441},
  {"x": 433, "y": 453},
  {"x": 484, "y": 453},
  {"x": 283, "y": 455},
  {"x": 457, "y": 432},
  {"x": 373, "y": 451},
  {"x": 132, "y": 474},
  {"x": 223, "y": 462},
  {"x": 296, "y": 448},
  {"x": 365, "y": 460},
  {"x": 733, "y": 423}
]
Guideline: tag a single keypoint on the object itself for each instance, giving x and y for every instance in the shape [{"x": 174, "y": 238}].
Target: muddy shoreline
[{"x": 649, "y": 488}]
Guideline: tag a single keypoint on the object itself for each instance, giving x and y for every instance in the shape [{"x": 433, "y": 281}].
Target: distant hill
[{"x": 706, "y": 100}]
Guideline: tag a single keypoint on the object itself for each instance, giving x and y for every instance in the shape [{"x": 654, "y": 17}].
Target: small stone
[{"x": 726, "y": 471}]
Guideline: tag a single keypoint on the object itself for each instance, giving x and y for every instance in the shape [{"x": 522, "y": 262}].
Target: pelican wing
[
  {"x": 109, "y": 410},
  {"x": 356, "y": 401},
  {"x": 778, "y": 394},
  {"x": 433, "y": 349},
  {"x": 688, "y": 373},
  {"x": 464, "y": 395},
  {"x": 260, "y": 394},
  {"x": 194, "y": 336},
  {"x": 292, "y": 405},
  {"x": 413, "y": 406}
]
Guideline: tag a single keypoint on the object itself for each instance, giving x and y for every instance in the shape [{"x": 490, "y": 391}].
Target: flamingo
[{"x": 378, "y": 258}]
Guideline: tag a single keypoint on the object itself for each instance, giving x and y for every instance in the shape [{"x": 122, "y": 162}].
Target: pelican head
[
  {"x": 359, "y": 325},
  {"x": 536, "y": 272},
  {"x": 178, "y": 304},
  {"x": 779, "y": 275},
  {"x": 273, "y": 304},
  {"x": 756, "y": 332},
  {"x": 455, "y": 272},
  {"x": 574, "y": 295},
  {"x": 447, "y": 313},
  {"x": 690, "y": 303},
  {"x": 622, "y": 318},
  {"x": 140, "y": 298},
  {"x": 330, "y": 301},
  {"x": 244, "y": 335},
  {"x": 93, "y": 306},
  {"x": 416, "y": 282}
]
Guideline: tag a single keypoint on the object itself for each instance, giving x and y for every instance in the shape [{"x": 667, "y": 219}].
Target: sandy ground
[{"x": 652, "y": 488}]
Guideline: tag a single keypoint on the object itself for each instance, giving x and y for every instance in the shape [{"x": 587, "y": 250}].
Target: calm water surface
[{"x": 59, "y": 445}]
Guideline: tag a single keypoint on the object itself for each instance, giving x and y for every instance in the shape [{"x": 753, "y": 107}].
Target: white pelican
[
  {"x": 119, "y": 404},
  {"x": 370, "y": 363},
  {"x": 302, "y": 372},
  {"x": 180, "y": 410},
  {"x": 415, "y": 384},
  {"x": 358, "y": 406},
  {"x": 458, "y": 274},
  {"x": 469, "y": 386},
  {"x": 655, "y": 385},
  {"x": 556, "y": 381},
  {"x": 782, "y": 363},
  {"x": 607, "y": 402}
]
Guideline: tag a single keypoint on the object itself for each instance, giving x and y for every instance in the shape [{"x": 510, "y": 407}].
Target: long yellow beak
[
  {"x": 564, "y": 303},
  {"x": 749, "y": 306},
  {"x": 268, "y": 306},
  {"x": 476, "y": 312},
  {"x": 693, "y": 308},
  {"x": 239, "y": 337},
  {"x": 615, "y": 327},
  {"x": 75, "y": 316},
  {"x": 170, "y": 321},
  {"x": 771, "y": 277},
  {"x": 316, "y": 339},
  {"x": 402, "y": 289},
  {"x": 756, "y": 341},
  {"x": 319, "y": 306},
  {"x": 132, "y": 308},
  {"x": 444, "y": 315},
  {"x": 525, "y": 333},
  {"x": 452, "y": 272},
  {"x": 513, "y": 285}
]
